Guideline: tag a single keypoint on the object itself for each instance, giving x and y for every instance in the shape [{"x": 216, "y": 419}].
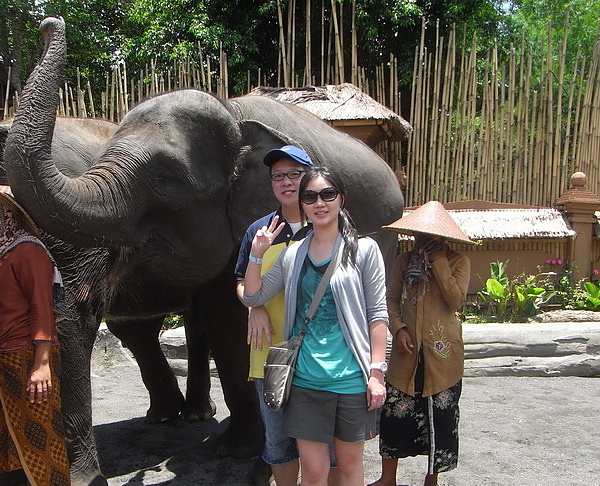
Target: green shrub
[
  {"x": 512, "y": 300},
  {"x": 172, "y": 321}
]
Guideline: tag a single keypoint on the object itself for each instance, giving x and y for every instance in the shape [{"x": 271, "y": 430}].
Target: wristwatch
[
  {"x": 380, "y": 365},
  {"x": 254, "y": 259}
]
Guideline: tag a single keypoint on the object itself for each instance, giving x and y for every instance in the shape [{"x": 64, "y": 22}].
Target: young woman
[
  {"x": 339, "y": 380},
  {"x": 31, "y": 429}
]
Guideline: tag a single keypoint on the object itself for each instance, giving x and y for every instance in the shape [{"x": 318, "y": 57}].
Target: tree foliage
[
  {"x": 103, "y": 32},
  {"x": 169, "y": 30}
]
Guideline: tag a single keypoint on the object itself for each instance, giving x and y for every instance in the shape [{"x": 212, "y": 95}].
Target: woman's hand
[
  {"x": 39, "y": 385},
  {"x": 259, "y": 327},
  {"x": 436, "y": 255},
  {"x": 403, "y": 341},
  {"x": 265, "y": 236},
  {"x": 376, "y": 390}
]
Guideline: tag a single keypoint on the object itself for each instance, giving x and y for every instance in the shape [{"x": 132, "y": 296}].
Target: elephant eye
[{"x": 165, "y": 183}]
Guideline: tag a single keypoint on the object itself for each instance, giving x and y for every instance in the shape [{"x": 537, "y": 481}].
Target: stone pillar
[{"x": 579, "y": 205}]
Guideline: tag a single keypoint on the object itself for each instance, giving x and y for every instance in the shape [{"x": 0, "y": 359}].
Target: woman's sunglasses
[{"x": 328, "y": 194}]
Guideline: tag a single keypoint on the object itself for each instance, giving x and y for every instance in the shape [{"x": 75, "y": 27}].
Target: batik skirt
[
  {"x": 413, "y": 426},
  {"x": 31, "y": 434}
]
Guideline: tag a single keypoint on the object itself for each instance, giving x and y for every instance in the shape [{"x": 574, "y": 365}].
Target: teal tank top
[{"x": 324, "y": 362}]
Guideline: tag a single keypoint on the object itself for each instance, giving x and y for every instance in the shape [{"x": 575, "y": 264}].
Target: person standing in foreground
[
  {"x": 31, "y": 428},
  {"x": 265, "y": 322},
  {"x": 339, "y": 380},
  {"x": 426, "y": 288}
]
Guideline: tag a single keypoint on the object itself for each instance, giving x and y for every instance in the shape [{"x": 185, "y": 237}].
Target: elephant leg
[
  {"x": 198, "y": 404},
  {"x": 225, "y": 321},
  {"x": 140, "y": 336},
  {"x": 77, "y": 341}
]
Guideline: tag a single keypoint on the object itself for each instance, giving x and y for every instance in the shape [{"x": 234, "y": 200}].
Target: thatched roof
[
  {"x": 500, "y": 224},
  {"x": 341, "y": 103}
]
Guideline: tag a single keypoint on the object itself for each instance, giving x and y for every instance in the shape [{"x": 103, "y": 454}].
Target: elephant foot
[
  {"x": 203, "y": 411},
  {"x": 261, "y": 473},
  {"x": 165, "y": 410},
  {"x": 242, "y": 441}
]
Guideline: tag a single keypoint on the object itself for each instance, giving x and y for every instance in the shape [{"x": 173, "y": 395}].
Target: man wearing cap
[{"x": 265, "y": 323}]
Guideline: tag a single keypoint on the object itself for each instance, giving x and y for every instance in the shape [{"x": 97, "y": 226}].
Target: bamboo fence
[
  {"x": 502, "y": 132},
  {"x": 491, "y": 135}
]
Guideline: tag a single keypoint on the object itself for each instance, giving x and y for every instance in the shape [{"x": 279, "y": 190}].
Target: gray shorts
[{"x": 320, "y": 416}]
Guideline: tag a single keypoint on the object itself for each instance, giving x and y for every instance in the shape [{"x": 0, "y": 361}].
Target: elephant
[{"x": 163, "y": 204}]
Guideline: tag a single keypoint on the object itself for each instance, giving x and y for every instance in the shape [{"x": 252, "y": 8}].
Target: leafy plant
[
  {"x": 528, "y": 297},
  {"x": 591, "y": 295},
  {"x": 512, "y": 300},
  {"x": 172, "y": 321},
  {"x": 496, "y": 296},
  {"x": 497, "y": 290}
]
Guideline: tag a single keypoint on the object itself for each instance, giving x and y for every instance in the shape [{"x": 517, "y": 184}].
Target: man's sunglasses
[
  {"x": 328, "y": 194},
  {"x": 292, "y": 174}
]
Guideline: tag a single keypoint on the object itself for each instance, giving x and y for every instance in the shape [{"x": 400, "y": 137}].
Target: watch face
[{"x": 383, "y": 366}]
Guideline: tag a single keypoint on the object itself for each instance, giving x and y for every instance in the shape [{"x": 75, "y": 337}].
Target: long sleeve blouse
[
  {"x": 431, "y": 323},
  {"x": 358, "y": 292},
  {"x": 26, "y": 301}
]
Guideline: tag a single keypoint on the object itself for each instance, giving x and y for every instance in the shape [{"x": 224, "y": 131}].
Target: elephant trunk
[{"x": 76, "y": 210}]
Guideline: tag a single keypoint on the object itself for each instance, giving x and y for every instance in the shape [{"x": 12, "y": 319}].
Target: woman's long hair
[{"x": 345, "y": 223}]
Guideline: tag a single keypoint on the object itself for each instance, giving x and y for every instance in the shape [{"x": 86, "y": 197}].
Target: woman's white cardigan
[{"x": 358, "y": 292}]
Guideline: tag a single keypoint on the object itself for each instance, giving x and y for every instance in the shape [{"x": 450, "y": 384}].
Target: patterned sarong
[
  {"x": 31, "y": 434},
  {"x": 413, "y": 426}
]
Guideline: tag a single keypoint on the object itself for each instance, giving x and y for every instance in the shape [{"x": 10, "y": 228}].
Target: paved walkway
[{"x": 515, "y": 431}]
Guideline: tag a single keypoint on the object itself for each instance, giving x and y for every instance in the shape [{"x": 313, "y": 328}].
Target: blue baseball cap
[{"x": 287, "y": 152}]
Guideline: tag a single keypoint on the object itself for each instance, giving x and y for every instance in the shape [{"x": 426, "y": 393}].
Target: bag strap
[{"x": 320, "y": 292}]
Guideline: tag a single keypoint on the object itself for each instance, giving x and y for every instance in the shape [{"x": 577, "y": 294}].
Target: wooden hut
[
  {"x": 347, "y": 108},
  {"x": 525, "y": 236}
]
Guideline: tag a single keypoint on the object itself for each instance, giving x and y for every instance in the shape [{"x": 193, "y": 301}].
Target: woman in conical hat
[
  {"x": 30, "y": 419},
  {"x": 426, "y": 288}
]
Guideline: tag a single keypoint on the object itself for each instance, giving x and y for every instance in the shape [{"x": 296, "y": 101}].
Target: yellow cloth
[
  {"x": 431, "y": 323},
  {"x": 275, "y": 309},
  {"x": 31, "y": 434}
]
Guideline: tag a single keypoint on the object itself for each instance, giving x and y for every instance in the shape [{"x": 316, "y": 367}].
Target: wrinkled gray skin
[{"x": 153, "y": 226}]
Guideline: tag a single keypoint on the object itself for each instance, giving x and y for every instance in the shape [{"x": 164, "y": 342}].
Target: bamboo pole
[
  {"x": 202, "y": 74},
  {"x": 354, "y": 42},
  {"x": 220, "y": 92},
  {"x": 73, "y": 102},
  {"x": 209, "y": 77},
  {"x": 557, "y": 159},
  {"x": 338, "y": 47},
  {"x": 471, "y": 94},
  {"x": 292, "y": 44},
  {"x": 308, "y": 47},
  {"x": 7, "y": 97},
  {"x": 125, "y": 92},
  {"x": 282, "y": 46},
  {"x": 111, "y": 98},
  {"x": 225, "y": 77},
  {"x": 511, "y": 183},
  {"x": 328, "y": 78},
  {"x": 89, "y": 91},
  {"x": 323, "y": 42}
]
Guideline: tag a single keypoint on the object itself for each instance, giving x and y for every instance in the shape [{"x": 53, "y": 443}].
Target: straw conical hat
[
  {"x": 7, "y": 199},
  {"x": 431, "y": 219}
]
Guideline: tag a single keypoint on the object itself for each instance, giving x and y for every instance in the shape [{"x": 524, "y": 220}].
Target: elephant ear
[{"x": 251, "y": 196}]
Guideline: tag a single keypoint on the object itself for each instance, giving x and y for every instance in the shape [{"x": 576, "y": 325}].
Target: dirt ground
[{"x": 515, "y": 431}]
